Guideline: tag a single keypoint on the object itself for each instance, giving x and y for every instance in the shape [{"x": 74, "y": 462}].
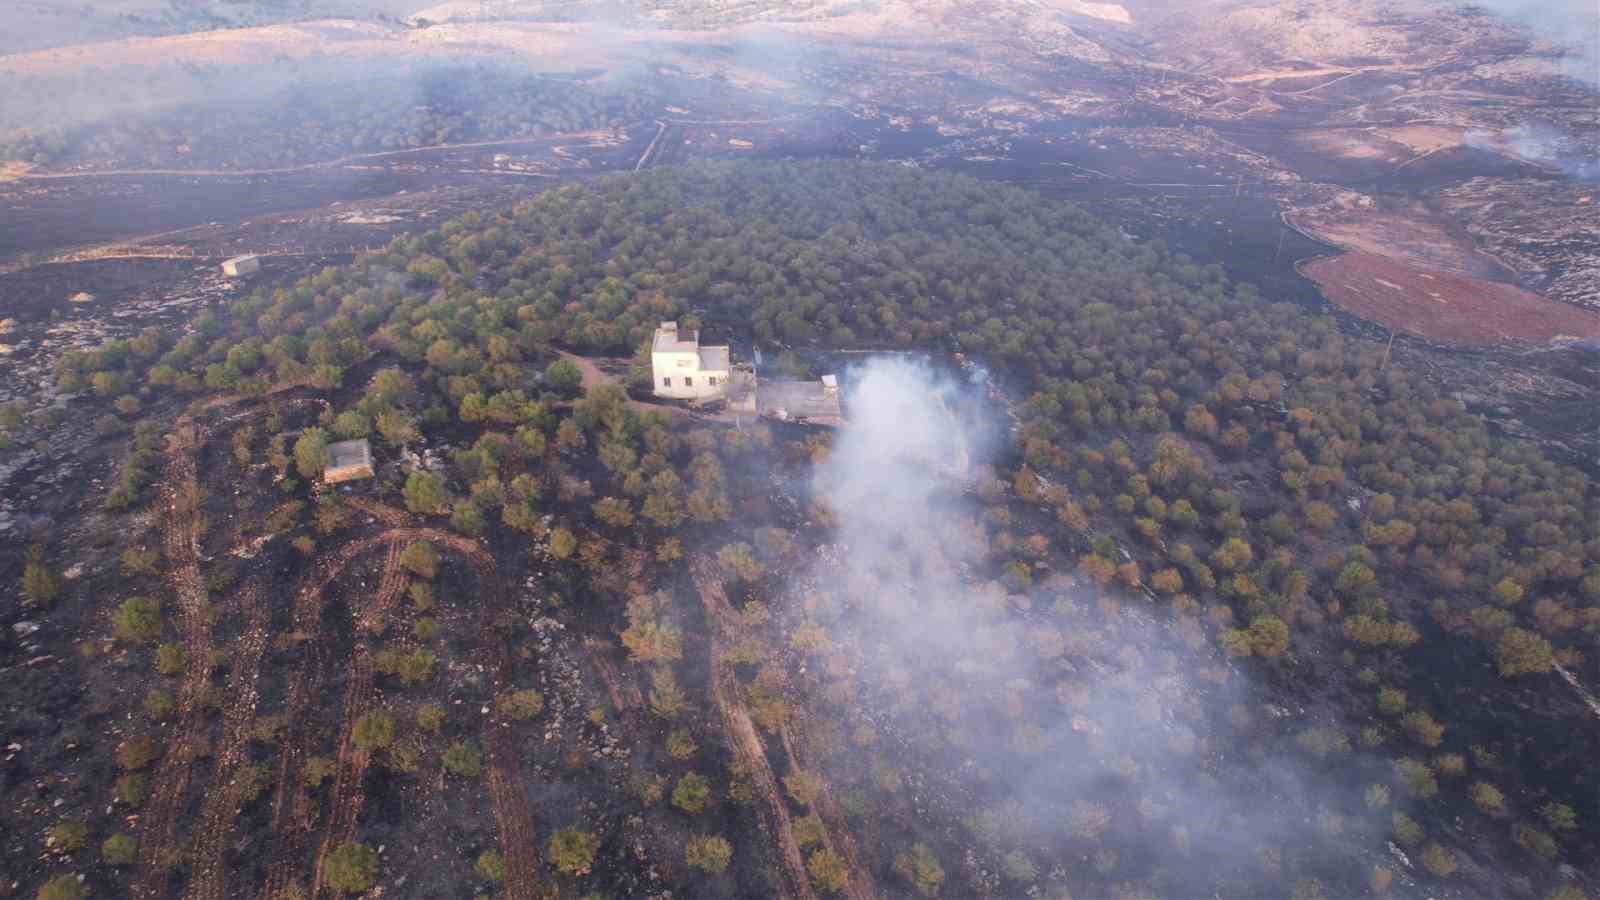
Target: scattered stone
[{"x": 25, "y": 628}]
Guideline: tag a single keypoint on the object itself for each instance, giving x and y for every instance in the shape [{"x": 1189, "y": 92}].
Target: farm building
[
  {"x": 348, "y": 461},
  {"x": 812, "y": 402},
  {"x": 241, "y": 265},
  {"x": 684, "y": 370}
]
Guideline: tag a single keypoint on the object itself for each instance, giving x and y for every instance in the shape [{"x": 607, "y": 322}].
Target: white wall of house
[{"x": 678, "y": 376}]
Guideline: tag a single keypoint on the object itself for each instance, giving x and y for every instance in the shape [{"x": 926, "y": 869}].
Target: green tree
[
  {"x": 119, "y": 850},
  {"x": 1522, "y": 652},
  {"x": 572, "y": 851},
  {"x": 709, "y": 854},
  {"x": 828, "y": 870},
  {"x": 352, "y": 868},
  {"x": 426, "y": 494},
  {"x": 692, "y": 793},
  {"x": 921, "y": 867},
  {"x": 564, "y": 377},
  {"x": 137, "y": 620},
  {"x": 421, "y": 559},
  {"x": 491, "y": 866},
  {"x": 373, "y": 731},
  {"x": 463, "y": 759},
  {"x": 39, "y": 585},
  {"x": 311, "y": 453},
  {"x": 63, "y": 887}
]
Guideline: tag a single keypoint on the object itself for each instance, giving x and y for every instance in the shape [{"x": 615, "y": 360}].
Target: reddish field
[{"x": 1444, "y": 307}]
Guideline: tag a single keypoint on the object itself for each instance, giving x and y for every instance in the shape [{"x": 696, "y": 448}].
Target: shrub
[
  {"x": 352, "y": 868},
  {"x": 132, "y": 789},
  {"x": 1391, "y": 702},
  {"x": 1439, "y": 860},
  {"x": 158, "y": 703},
  {"x": 708, "y": 854},
  {"x": 1423, "y": 728},
  {"x": 680, "y": 745},
  {"x": 63, "y": 887},
  {"x": 119, "y": 850},
  {"x": 1559, "y": 816},
  {"x": 425, "y": 493},
  {"x": 463, "y": 759},
  {"x": 68, "y": 837},
  {"x": 1377, "y": 796},
  {"x": 1269, "y": 636},
  {"x": 39, "y": 585},
  {"x": 1488, "y": 798},
  {"x": 828, "y": 870},
  {"x": 562, "y": 543},
  {"x": 170, "y": 659},
  {"x": 809, "y": 830},
  {"x": 921, "y": 868},
  {"x": 1406, "y": 830},
  {"x": 430, "y": 717},
  {"x": 425, "y": 628},
  {"x": 491, "y": 866},
  {"x": 373, "y": 731},
  {"x": 520, "y": 705},
  {"x": 420, "y": 559},
  {"x": 692, "y": 793},
  {"x": 137, "y": 620},
  {"x": 572, "y": 851},
  {"x": 803, "y": 787},
  {"x": 1522, "y": 652},
  {"x": 135, "y": 753}
]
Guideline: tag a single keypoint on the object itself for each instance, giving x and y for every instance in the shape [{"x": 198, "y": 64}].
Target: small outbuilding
[
  {"x": 348, "y": 461},
  {"x": 241, "y": 265}
]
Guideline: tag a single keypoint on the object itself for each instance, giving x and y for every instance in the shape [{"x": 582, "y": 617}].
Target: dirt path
[
  {"x": 209, "y": 880},
  {"x": 741, "y": 732},
  {"x": 838, "y": 836},
  {"x": 371, "y": 617},
  {"x": 181, "y": 538},
  {"x": 293, "y": 818}
]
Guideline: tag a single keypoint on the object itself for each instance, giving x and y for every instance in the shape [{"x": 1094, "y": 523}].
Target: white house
[
  {"x": 241, "y": 265},
  {"x": 684, "y": 370}
]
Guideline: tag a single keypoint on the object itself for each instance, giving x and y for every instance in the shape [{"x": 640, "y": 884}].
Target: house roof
[
  {"x": 714, "y": 359},
  {"x": 671, "y": 340},
  {"x": 349, "y": 453}
]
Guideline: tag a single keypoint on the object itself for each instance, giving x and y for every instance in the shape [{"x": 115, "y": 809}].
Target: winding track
[
  {"x": 209, "y": 880},
  {"x": 181, "y": 540},
  {"x": 741, "y": 732}
]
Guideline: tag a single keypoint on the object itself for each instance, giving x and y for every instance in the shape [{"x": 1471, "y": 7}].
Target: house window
[
  {"x": 687, "y": 381},
  {"x": 666, "y": 382},
  {"x": 713, "y": 381}
]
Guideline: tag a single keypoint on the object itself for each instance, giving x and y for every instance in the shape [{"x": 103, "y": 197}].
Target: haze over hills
[{"x": 1206, "y": 505}]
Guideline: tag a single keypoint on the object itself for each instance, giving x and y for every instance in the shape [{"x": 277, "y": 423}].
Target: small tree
[
  {"x": 67, "y": 837},
  {"x": 426, "y": 494},
  {"x": 708, "y": 854},
  {"x": 520, "y": 705},
  {"x": 63, "y": 887},
  {"x": 491, "y": 866},
  {"x": 463, "y": 759},
  {"x": 1439, "y": 860},
  {"x": 311, "y": 453},
  {"x": 170, "y": 659},
  {"x": 119, "y": 850},
  {"x": 39, "y": 584},
  {"x": 921, "y": 868},
  {"x": 564, "y": 377},
  {"x": 352, "y": 868},
  {"x": 137, "y": 620},
  {"x": 572, "y": 851},
  {"x": 692, "y": 793},
  {"x": 803, "y": 787},
  {"x": 828, "y": 870},
  {"x": 135, "y": 753},
  {"x": 1522, "y": 652},
  {"x": 420, "y": 559},
  {"x": 373, "y": 731}
]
